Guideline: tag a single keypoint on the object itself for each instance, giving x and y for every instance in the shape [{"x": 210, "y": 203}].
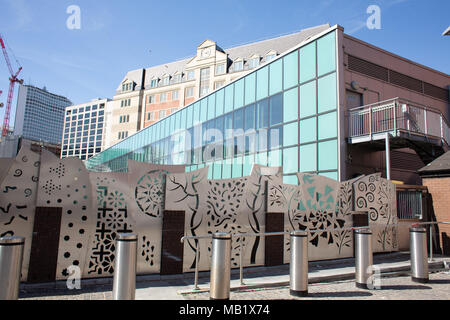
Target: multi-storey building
[
  {"x": 330, "y": 104},
  {"x": 148, "y": 95},
  {"x": 40, "y": 114},
  {"x": 85, "y": 129}
]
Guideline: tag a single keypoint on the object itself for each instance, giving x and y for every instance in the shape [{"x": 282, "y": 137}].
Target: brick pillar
[
  {"x": 172, "y": 248},
  {"x": 274, "y": 245}
]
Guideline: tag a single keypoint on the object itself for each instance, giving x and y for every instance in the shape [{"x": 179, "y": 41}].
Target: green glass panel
[
  {"x": 308, "y": 99},
  {"x": 219, "y": 102},
  {"x": 217, "y": 172},
  {"x": 238, "y": 94},
  {"x": 274, "y": 158},
  {"x": 237, "y": 167},
  {"x": 261, "y": 158},
  {"x": 331, "y": 175},
  {"x": 211, "y": 106},
  {"x": 229, "y": 96},
  {"x": 292, "y": 179},
  {"x": 327, "y": 93},
  {"x": 328, "y": 155},
  {"x": 290, "y": 105},
  {"x": 326, "y": 54},
  {"x": 308, "y": 131},
  {"x": 327, "y": 126},
  {"x": 248, "y": 164},
  {"x": 250, "y": 82},
  {"x": 226, "y": 169},
  {"x": 203, "y": 109},
  {"x": 290, "y": 134},
  {"x": 290, "y": 160},
  {"x": 183, "y": 119},
  {"x": 308, "y": 62},
  {"x": 308, "y": 158},
  {"x": 262, "y": 83},
  {"x": 189, "y": 116},
  {"x": 210, "y": 170},
  {"x": 276, "y": 77},
  {"x": 290, "y": 70},
  {"x": 196, "y": 116}
]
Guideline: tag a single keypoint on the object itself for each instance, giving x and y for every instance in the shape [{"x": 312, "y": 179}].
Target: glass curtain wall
[{"x": 282, "y": 114}]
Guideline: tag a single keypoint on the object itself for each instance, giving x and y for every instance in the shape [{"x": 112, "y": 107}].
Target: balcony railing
[{"x": 395, "y": 115}]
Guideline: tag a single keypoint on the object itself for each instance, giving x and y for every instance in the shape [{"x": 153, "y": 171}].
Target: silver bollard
[
  {"x": 124, "y": 285},
  {"x": 299, "y": 264},
  {"x": 220, "y": 266},
  {"x": 363, "y": 257},
  {"x": 418, "y": 251},
  {"x": 11, "y": 256}
]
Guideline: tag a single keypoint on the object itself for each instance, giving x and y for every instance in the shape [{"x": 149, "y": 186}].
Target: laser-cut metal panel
[
  {"x": 147, "y": 183},
  {"x": 113, "y": 207},
  {"x": 65, "y": 183},
  {"x": 231, "y": 205},
  {"x": 377, "y": 196},
  {"x": 18, "y": 199}
]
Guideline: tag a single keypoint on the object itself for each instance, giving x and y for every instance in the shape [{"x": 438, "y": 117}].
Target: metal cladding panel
[{"x": 18, "y": 199}]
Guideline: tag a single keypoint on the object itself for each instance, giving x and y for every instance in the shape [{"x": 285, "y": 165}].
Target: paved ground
[
  {"x": 333, "y": 279},
  {"x": 397, "y": 288}
]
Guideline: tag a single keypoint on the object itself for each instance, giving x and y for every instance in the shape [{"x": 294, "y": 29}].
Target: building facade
[
  {"x": 40, "y": 114},
  {"x": 85, "y": 129},
  {"x": 310, "y": 109},
  {"x": 146, "y": 96}
]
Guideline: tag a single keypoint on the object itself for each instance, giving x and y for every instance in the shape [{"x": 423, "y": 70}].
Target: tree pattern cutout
[
  {"x": 224, "y": 199},
  {"x": 147, "y": 251}
]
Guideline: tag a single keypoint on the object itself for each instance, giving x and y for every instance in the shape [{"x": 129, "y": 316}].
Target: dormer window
[
  {"x": 190, "y": 75},
  {"x": 166, "y": 81},
  {"x": 238, "y": 65},
  {"x": 271, "y": 55},
  {"x": 253, "y": 62},
  {"x": 154, "y": 83},
  {"x": 127, "y": 86},
  {"x": 176, "y": 78}
]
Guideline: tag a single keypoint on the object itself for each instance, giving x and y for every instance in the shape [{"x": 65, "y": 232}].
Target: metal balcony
[{"x": 409, "y": 125}]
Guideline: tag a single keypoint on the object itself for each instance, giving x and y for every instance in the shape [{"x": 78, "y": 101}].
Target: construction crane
[{"x": 12, "y": 81}]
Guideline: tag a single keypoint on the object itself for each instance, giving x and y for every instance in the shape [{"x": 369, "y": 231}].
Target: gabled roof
[
  {"x": 278, "y": 44},
  {"x": 440, "y": 166}
]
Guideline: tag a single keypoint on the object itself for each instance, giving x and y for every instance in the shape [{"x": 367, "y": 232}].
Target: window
[
  {"x": 166, "y": 81},
  {"x": 220, "y": 69},
  {"x": 270, "y": 57},
  {"x": 163, "y": 97},
  {"x": 189, "y": 92},
  {"x": 238, "y": 65},
  {"x": 253, "y": 63},
  {"x": 150, "y": 116},
  {"x": 219, "y": 84},
  {"x": 191, "y": 75},
  {"x": 151, "y": 99},
  {"x": 204, "y": 81},
  {"x": 154, "y": 83},
  {"x": 176, "y": 78},
  {"x": 173, "y": 110},
  {"x": 175, "y": 95},
  {"x": 162, "y": 114}
]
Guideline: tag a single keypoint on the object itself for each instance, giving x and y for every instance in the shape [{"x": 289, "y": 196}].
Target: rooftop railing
[{"x": 395, "y": 115}]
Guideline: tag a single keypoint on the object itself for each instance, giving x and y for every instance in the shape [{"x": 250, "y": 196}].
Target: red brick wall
[
  {"x": 157, "y": 106},
  {"x": 439, "y": 188}
]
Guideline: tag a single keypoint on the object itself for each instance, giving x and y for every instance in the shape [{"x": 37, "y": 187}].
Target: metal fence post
[
  {"x": 299, "y": 264},
  {"x": 418, "y": 251},
  {"x": 124, "y": 285},
  {"x": 11, "y": 256},
  {"x": 363, "y": 257},
  {"x": 220, "y": 266}
]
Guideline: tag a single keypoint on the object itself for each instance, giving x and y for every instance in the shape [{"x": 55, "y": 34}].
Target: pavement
[{"x": 331, "y": 279}]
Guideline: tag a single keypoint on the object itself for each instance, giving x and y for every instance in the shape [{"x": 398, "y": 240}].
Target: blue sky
[{"x": 118, "y": 36}]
